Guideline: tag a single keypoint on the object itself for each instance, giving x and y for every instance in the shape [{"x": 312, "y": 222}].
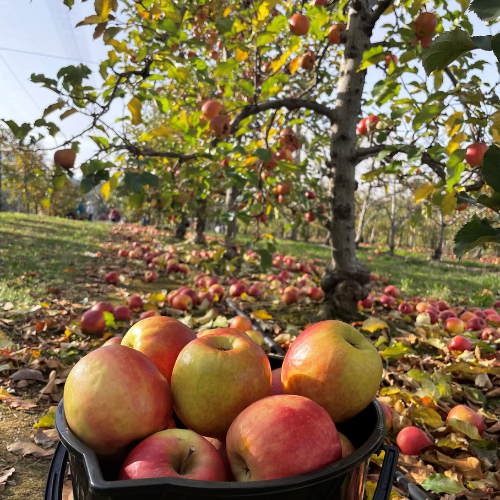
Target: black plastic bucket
[{"x": 343, "y": 480}]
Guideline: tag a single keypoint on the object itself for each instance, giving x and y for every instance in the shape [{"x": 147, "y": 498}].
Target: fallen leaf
[
  {"x": 22, "y": 404},
  {"x": 482, "y": 380},
  {"x": 261, "y": 314},
  {"x": 373, "y": 324},
  {"x": 28, "y": 374},
  {"x": 5, "y": 341},
  {"x": 4, "y": 476},
  {"x": 24, "y": 447},
  {"x": 466, "y": 428},
  {"x": 51, "y": 386},
  {"x": 427, "y": 416},
  {"x": 8, "y": 306},
  {"x": 48, "y": 420},
  {"x": 469, "y": 467},
  {"x": 439, "y": 483},
  {"x": 42, "y": 439}
]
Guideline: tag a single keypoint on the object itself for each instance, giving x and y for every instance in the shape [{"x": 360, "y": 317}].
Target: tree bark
[
  {"x": 180, "y": 231},
  {"x": 393, "y": 229},
  {"x": 362, "y": 215},
  {"x": 345, "y": 278},
  {"x": 412, "y": 238},
  {"x": 372, "y": 235},
  {"x": 293, "y": 233},
  {"x": 306, "y": 233},
  {"x": 201, "y": 219},
  {"x": 232, "y": 227},
  {"x": 438, "y": 251}
]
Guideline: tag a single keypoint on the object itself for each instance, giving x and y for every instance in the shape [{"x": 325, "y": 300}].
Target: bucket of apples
[{"x": 166, "y": 414}]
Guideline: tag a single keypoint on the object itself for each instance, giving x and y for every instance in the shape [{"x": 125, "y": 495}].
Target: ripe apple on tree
[{"x": 299, "y": 24}]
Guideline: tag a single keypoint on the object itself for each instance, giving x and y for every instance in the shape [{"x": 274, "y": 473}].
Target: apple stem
[{"x": 191, "y": 450}]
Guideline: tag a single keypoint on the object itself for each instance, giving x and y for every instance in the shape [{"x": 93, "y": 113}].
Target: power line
[
  {"x": 48, "y": 55},
  {"x": 20, "y": 83}
]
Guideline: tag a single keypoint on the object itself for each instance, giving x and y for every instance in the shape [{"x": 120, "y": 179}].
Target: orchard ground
[{"x": 52, "y": 270}]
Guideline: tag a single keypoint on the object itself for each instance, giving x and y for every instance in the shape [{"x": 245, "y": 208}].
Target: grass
[
  {"x": 413, "y": 275},
  {"x": 53, "y": 248}
]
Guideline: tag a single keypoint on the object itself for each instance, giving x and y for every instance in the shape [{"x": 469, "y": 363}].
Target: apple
[
  {"x": 220, "y": 446},
  {"x": 334, "y": 365},
  {"x": 433, "y": 315},
  {"x": 262, "y": 218},
  {"x": 103, "y": 306},
  {"x": 310, "y": 217},
  {"x": 299, "y": 24},
  {"x": 480, "y": 313},
  {"x": 65, "y": 158},
  {"x": 444, "y": 315},
  {"x": 335, "y": 32},
  {"x": 237, "y": 290},
  {"x": 122, "y": 313},
  {"x": 217, "y": 376},
  {"x": 289, "y": 297},
  {"x": 134, "y": 302},
  {"x": 241, "y": 323},
  {"x": 174, "y": 453},
  {"x": 421, "y": 307},
  {"x": 135, "y": 254},
  {"x": 475, "y": 324},
  {"x": 442, "y": 305},
  {"x": 148, "y": 314},
  {"x": 161, "y": 339},
  {"x": 425, "y": 24},
  {"x": 347, "y": 446},
  {"x": 307, "y": 60},
  {"x": 411, "y": 440},
  {"x": 276, "y": 385},
  {"x": 123, "y": 252},
  {"x": 283, "y": 188},
  {"x": 183, "y": 268},
  {"x": 284, "y": 155},
  {"x": 211, "y": 281},
  {"x": 361, "y": 128},
  {"x": 388, "y": 416},
  {"x": 466, "y": 414},
  {"x": 490, "y": 334},
  {"x": 112, "y": 278},
  {"x": 371, "y": 123},
  {"x": 454, "y": 325},
  {"x": 115, "y": 396},
  {"x": 150, "y": 276},
  {"x": 496, "y": 305},
  {"x": 460, "y": 343},
  {"x": 206, "y": 295},
  {"x": 211, "y": 109},
  {"x": 310, "y": 195},
  {"x": 182, "y": 302},
  {"x": 391, "y": 58},
  {"x": 405, "y": 308},
  {"x": 315, "y": 293},
  {"x": 116, "y": 340},
  {"x": 392, "y": 291},
  {"x": 493, "y": 319},
  {"x": 307, "y": 439},
  {"x": 466, "y": 316},
  {"x": 255, "y": 290},
  {"x": 218, "y": 290},
  {"x": 93, "y": 322},
  {"x": 220, "y": 126},
  {"x": 387, "y": 301},
  {"x": 366, "y": 303}
]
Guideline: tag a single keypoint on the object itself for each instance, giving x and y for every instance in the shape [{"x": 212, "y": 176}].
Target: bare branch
[{"x": 381, "y": 7}]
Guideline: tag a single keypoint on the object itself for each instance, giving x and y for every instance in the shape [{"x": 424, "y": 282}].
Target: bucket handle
[
  {"x": 55, "y": 480},
  {"x": 384, "y": 485}
]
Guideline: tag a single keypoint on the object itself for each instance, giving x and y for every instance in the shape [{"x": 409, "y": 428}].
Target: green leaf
[
  {"x": 486, "y": 9},
  {"x": 225, "y": 67},
  {"x": 67, "y": 113},
  {"x": 263, "y": 154},
  {"x": 58, "y": 181},
  {"x": 133, "y": 182},
  {"x": 445, "y": 49},
  {"x": 485, "y": 448},
  {"x": 427, "y": 114},
  {"x": 439, "y": 483},
  {"x": 264, "y": 38},
  {"x": 482, "y": 42},
  {"x": 224, "y": 25},
  {"x": 94, "y": 19},
  {"x": 266, "y": 259},
  {"x": 149, "y": 179},
  {"x": 384, "y": 91},
  {"x": 163, "y": 104},
  {"x": 398, "y": 350},
  {"x": 110, "y": 33},
  {"x": 372, "y": 56},
  {"x": 136, "y": 200},
  {"x": 53, "y": 107},
  {"x": 69, "y": 3},
  {"x": 474, "y": 233},
  {"x": 100, "y": 141},
  {"x": 495, "y": 45},
  {"x": 109, "y": 318},
  {"x": 466, "y": 428}
]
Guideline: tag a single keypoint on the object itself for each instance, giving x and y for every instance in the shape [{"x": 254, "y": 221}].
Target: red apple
[
  {"x": 335, "y": 32},
  {"x": 148, "y": 314},
  {"x": 411, "y": 440},
  {"x": 255, "y": 290},
  {"x": 315, "y": 293},
  {"x": 103, "y": 306},
  {"x": 134, "y": 302},
  {"x": 210, "y": 109},
  {"x": 466, "y": 414},
  {"x": 115, "y": 396},
  {"x": 237, "y": 290},
  {"x": 387, "y": 301},
  {"x": 116, "y": 340},
  {"x": 182, "y": 302},
  {"x": 217, "y": 290},
  {"x": 161, "y": 339},
  {"x": 444, "y": 315},
  {"x": 216, "y": 377},
  {"x": 475, "y": 324},
  {"x": 442, "y": 305},
  {"x": 307, "y": 439},
  {"x": 366, "y": 303},
  {"x": 336, "y": 366},
  {"x": 289, "y": 297},
  {"x": 276, "y": 385},
  {"x": 150, "y": 276},
  {"x": 205, "y": 295},
  {"x": 93, "y": 322},
  {"x": 299, "y": 24},
  {"x": 405, "y": 308},
  {"x": 392, "y": 291},
  {"x": 112, "y": 278},
  {"x": 371, "y": 123},
  {"x": 122, "y": 313},
  {"x": 65, "y": 158},
  {"x": 220, "y": 446},
  {"x": 460, "y": 344},
  {"x": 425, "y": 24},
  {"x": 388, "y": 417},
  {"x": 123, "y": 252},
  {"x": 475, "y": 153},
  {"x": 490, "y": 334},
  {"x": 361, "y": 128}
]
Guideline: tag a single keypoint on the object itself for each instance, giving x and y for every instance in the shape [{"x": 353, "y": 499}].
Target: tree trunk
[
  {"x": 345, "y": 278},
  {"x": 438, "y": 251},
  {"x": 412, "y": 237},
  {"x": 232, "y": 227},
  {"x": 372, "y": 235},
  {"x": 180, "y": 231},
  {"x": 293, "y": 234},
  {"x": 392, "y": 234},
  {"x": 362, "y": 215},
  {"x": 201, "y": 220},
  {"x": 306, "y": 232}
]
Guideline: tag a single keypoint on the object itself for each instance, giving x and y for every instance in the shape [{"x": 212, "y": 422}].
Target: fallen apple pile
[{"x": 119, "y": 400}]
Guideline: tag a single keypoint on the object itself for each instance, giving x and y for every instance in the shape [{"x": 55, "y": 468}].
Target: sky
[{"x": 39, "y": 36}]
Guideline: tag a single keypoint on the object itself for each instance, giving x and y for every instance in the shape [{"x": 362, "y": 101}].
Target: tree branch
[{"x": 381, "y": 7}]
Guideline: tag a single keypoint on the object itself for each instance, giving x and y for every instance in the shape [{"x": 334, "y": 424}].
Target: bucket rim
[{"x": 209, "y": 488}]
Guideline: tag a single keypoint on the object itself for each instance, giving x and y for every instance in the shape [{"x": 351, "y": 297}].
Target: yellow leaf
[
  {"x": 388, "y": 10},
  {"x": 261, "y": 314},
  {"x": 135, "y": 107},
  {"x": 423, "y": 191},
  {"x": 294, "y": 65},
  {"x": 449, "y": 203},
  {"x": 268, "y": 209},
  {"x": 157, "y": 297},
  {"x": 496, "y": 119},
  {"x": 495, "y": 135},
  {"x": 46, "y": 203},
  {"x": 241, "y": 55},
  {"x": 5, "y": 340},
  {"x": 105, "y": 189},
  {"x": 454, "y": 144},
  {"x": 67, "y": 333},
  {"x": 44, "y": 304},
  {"x": 69, "y": 270},
  {"x": 426, "y": 416},
  {"x": 373, "y": 324},
  {"x": 103, "y": 8},
  {"x": 118, "y": 46},
  {"x": 145, "y": 137},
  {"x": 227, "y": 11},
  {"x": 268, "y": 236},
  {"x": 114, "y": 180},
  {"x": 218, "y": 255},
  {"x": 279, "y": 62},
  {"x": 438, "y": 79},
  {"x": 162, "y": 132},
  {"x": 451, "y": 128},
  {"x": 48, "y": 420},
  {"x": 265, "y": 8},
  {"x": 4, "y": 394}
]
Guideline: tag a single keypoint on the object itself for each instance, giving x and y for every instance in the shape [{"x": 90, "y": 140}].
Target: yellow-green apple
[
  {"x": 460, "y": 344},
  {"x": 241, "y": 323},
  {"x": 217, "y": 376},
  {"x": 281, "y": 436},
  {"x": 347, "y": 446},
  {"x": 161, "y": 339},
  {"x": 174, "y": 453},
  {"x": 256, "y": 336},
  {"x": 93, "y": 322},
  {"x": 388, "y": 416},
  {"x": 122, "y": 313},
  {"x": 116, "y": 340},
  {"x": 454, "y": 325},
  {"x": 466, "y": 414},
  {"x": 276, "y": 385},
  {"x": 334, "y": 365},
  {"x": 411, "y": 440},
  {"x": 115, "y": 396}
]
